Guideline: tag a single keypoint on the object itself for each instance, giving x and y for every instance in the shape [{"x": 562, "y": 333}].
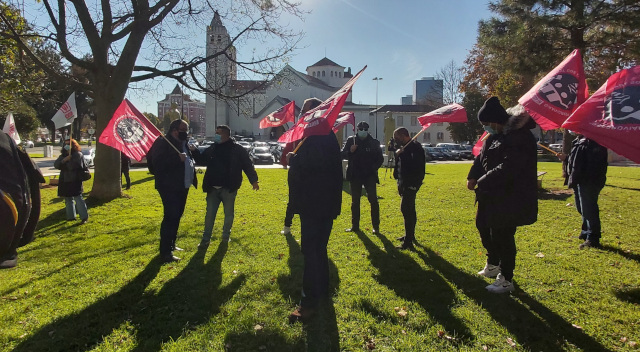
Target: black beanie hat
[{"x": 492, "y": 111}]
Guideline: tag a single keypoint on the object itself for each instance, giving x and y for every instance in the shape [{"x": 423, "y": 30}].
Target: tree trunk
[{"x": 106, "y": 179}]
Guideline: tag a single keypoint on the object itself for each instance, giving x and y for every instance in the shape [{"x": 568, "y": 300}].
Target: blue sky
[{"x": 400, "y": 41}]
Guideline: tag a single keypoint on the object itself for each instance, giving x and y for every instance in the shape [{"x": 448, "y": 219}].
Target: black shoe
[
  {"x": 401, "y": 238},
  {"x": 170, "y": 258},
  {"x": 582, "y": 237},
  {"x": 352, "y": 229},
  {"x": 590, "y": 244}
]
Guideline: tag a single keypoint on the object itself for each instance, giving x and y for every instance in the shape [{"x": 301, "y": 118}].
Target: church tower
[{"x": 221, "y": 73}]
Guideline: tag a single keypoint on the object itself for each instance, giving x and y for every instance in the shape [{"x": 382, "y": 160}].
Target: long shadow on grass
[
  {"x": 621, "y": 252},
  {"x": 322, "y": 330},
  {"x": 627, "y": 188},
  {"x": 142, "y": 180},
  {"x": 535, "y": 326},
  {"x": 631, "y": 295},
  {"x": 399, "y": 272}
]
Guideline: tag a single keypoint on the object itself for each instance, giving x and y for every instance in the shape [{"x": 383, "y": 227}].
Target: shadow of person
[
  {"x": 398, "y": 271},
  {"x": 619, "y": 251},
  {"x": 534, "y": 326},
  {"x": 142, "y": 180},
  {"x": 85, "y": 329},
  {"x": 321, "y": 331},
  {"x": 631, "y": 295},
  {"x": 185, "y": 302},
  {"x": 263, "y": 341}
]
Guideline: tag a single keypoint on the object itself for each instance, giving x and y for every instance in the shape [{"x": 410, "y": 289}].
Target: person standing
[
  {"x": 409, "y": 171},
  {"x": 171, "y": 162},
  {"x": 225, "y": 160},
  {"x": 504, "y": 178},
  {"x": 71, "y": 164},
  {"x": 585, "y": 171},
  {"x": 125, "y": 164},
  {"x": 315, "y": 193},
  {"x": 364, "y": 159}
]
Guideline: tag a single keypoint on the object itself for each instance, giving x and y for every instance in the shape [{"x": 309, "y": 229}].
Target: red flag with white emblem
[
  {"x": 448, "y": 113},
  {"x": 130, "y": 132},
  {"x": 279, "y": 117}
]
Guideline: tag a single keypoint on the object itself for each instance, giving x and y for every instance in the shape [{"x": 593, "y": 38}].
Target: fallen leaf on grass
[
  {"x": 443, "y": 335},
  {"x": 280, "y": 256},
  {"x": 633, "y": 344},
  {"x": 577, "y": 326},
  {"x": 258, "y": 327},
  {"x": 549, "y": 290},
  {"x": 241, "y": 308},
  {"x": 485, "y": 348},
  {"x": 540, "y": 255},
  {"x": 404, "y": 332},
  {"x": 10, "y": 298},
  {"x": 22, "y": 336},
  {"x": 623, "y": 339},
  {"x": 511, "y": 342}
]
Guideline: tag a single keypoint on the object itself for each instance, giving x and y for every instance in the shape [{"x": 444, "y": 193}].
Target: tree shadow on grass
[
  {"x": 142, "y": 180},
  {"x": 262, "y": 341},
  {"x": 627, "y": 188},
  {"x": 631, "y": 295},
  {"x": 188, "y": 300},
  {"x": 322, "y": 330},
  {"x": 534, "y": 326},
  {"x": 619, "y": 251},
  {"x": 398, "y": 271}
]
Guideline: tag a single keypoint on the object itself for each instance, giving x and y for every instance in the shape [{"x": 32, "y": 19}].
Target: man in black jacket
[
  {"x": 409, "y": 171},
  {"x": 585, "y": 170},
  {"x": 365, "y": 158},
  {"x": 504, "y": 178},
  {"x": 225, "y": 161},
  {"x": 171, "y": 163}
]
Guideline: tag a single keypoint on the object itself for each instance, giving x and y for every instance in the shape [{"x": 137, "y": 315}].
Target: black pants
[
  {"x": 173, "y": 202},
  {"x": 408, "y": 209},
  {"x": 288, "y": 217},
  {"x": 500, "y": 244},
  {"x": 356, "y": 193},
  {"x": 125, "y": 172},
  {"x": 315, "y": 278}
]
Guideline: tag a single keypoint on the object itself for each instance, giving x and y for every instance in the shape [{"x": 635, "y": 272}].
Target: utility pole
[{"x": 377, "y": 79}]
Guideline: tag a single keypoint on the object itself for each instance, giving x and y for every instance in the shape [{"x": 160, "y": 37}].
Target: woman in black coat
[{"x": 71, "y": 165}]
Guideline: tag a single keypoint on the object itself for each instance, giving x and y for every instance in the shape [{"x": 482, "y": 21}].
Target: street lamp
[{"x": 377, "y": 79}]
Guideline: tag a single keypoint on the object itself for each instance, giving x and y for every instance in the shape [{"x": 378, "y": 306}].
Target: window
[
  {"x": 426, "y": 136},
  {"x": 314, "y": 74},
  {"x": 440, "y": 136},
  {"x": 322, "y": 73},
  {"x": 331, "y": 73},
  {"x": 414, "y": 120},
  {"x": 340, "y": 73},
  {"x": 400, "y": 121}
]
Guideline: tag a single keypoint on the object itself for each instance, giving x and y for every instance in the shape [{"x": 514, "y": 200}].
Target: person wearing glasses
[{"x": 365, "y": 158}]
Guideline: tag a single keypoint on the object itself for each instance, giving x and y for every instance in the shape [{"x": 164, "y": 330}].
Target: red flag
[
  {"x": 477, "y": 148},
  {"x": 279, "y": 117},
  {"x": 130, "y": 132},
  {"x": 343, "y": 119},
  {"x": 448, "y": 113},
  {"x": 320, "y": 120},
  {"x": 558, "y": 94},
  {"x": 611, "y": 116}
]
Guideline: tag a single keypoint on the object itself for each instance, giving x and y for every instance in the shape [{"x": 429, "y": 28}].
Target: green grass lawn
[{"x": 101, "y": 287}]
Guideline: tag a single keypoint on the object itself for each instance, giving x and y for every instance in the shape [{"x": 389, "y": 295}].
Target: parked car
[
  {"x": 556, "y": 147},
  {"x": 89, "y": 155},
  {"x": 457, "y": 148},
  {"x": 259, "y": 144},
  {"x": 447, "y": 154},
  {"x": 453, "y": 149},
  {"x": 433, "y": 153},
  {"x": 261, "y": 155},
  {"x": 245, "y": 145},
  {"x": 27, "y": 144}
]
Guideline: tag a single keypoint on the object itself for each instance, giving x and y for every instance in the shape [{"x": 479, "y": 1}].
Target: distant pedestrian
[
  {"x": 585, "y": 171},
  {"x": 364, "y": 159},
  {"x": 71, "y": 164},
  {"x": 125, "y": 164},
  {"x": 225, "y": 161},
  {"x": 409, "y": 171},
  {"x": 174, "y": 173},
  {"x": 504, "y": 178}
]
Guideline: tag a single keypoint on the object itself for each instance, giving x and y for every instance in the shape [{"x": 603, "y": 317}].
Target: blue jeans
[
  {"x": 214, "y": 197},
  {"x": 76, "y": 203},
  {"x": 587, "y": 205}
]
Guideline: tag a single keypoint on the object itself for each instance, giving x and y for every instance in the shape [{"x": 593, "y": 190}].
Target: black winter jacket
[
  {"x": 409, "y": 168},
  {"x": 506, "y": 171},
  {"x": 315, "y": 178},
  {"x": 225, "y": 162},
  {"x": 586, "y": 163},
  {"x": 69, "y": 184},
  {"x": 366, "y": 160},
  {"x": 165, "y": 164}
]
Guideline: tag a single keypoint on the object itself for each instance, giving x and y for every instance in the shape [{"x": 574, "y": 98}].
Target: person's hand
[
  {"x": 471, "y": 184},
  {"x": 192, "y": 147},
  {"x": 66, "y": 158},
  {"x": 561, "y": 156},
  {"x": 399, "y": 151},
  {"x": 256, "y": 186},
  {"x": 183, "y": 157},
  {"x": 353, "y": 148}
]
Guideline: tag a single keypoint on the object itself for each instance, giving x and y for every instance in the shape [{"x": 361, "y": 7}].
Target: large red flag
[
  {"x": 611, "y": 116},
  {"x": 130, "y": 132},
  {"x": 448, "y": 113},
  {"x": 279, "y": 117},
  {"x": 343, "y": 119},
  {"x": 558, "y": 94},
  {"x": 320, "y": 120}
]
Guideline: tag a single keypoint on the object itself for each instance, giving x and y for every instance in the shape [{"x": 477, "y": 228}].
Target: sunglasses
[{"x": 363, "y": 129}]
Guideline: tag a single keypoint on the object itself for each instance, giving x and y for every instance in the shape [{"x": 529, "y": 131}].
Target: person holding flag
[
  {"x": 170, "y": 161},
  {"x": 364, "y": 159},
  {"x": 315, "y": 193},
  {"x": 504, "y": 178},
  {"x": 71, "y": 163}
]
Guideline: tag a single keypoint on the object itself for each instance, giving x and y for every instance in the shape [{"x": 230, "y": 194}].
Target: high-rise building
[{"x": 428, "y": 91}]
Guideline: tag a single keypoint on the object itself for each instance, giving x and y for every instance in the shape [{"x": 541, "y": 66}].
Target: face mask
[
  {"x": 362, "y": 134},
  {"x": 182, "y": 136},
  {"x": 397, "y": 142},
  {"x": 217, "y": 138},
  {"x": 67, "y": 147},
  {"x": 489, "y": 129}
]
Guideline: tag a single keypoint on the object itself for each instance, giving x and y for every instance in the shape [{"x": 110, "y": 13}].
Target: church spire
[{"x": 216, "y": 21}]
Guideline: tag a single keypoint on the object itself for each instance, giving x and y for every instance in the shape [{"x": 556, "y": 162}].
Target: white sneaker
[
  {"x": 286, "y": 230},
  {"x": 490, "y": 270},
  {"x": 501, "y": 285}
]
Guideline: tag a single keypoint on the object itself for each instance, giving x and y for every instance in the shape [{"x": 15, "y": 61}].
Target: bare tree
[
  {"x": 106, "y": 38},
  {"x": 451, "y": 75}
]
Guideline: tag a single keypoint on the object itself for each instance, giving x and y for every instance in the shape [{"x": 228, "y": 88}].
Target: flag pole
[
  {"x": 549, "y": 149},
  {"x": 412, "y": 139},
  {"x": 171, "y": 144},
  {"x": 299, "y": 145}
]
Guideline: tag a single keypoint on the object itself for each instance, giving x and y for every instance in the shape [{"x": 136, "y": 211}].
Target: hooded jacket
[
  {"x": 586, "y": 164},
  {"x": 365, "y": 161}
]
